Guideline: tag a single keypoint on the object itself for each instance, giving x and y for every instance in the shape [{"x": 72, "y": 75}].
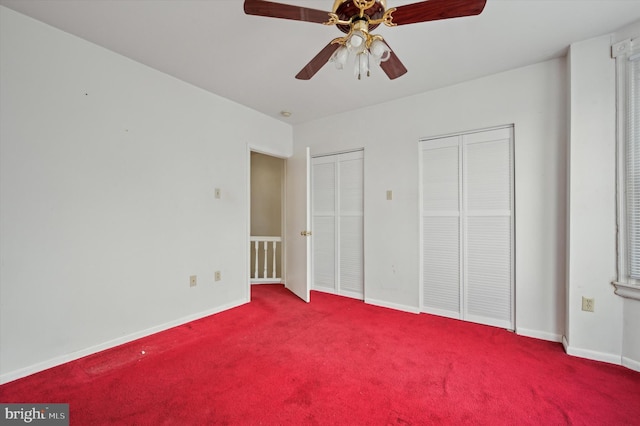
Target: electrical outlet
[
  {"x": 218, "y": 276},
  {"x": 588, "y": 304},
  {"x": 193, "y": 281}
]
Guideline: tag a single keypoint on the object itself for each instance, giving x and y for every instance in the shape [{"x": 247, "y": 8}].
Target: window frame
[{"x": 625, "y": 285}]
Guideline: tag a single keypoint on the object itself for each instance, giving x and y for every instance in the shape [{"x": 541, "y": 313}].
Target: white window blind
[
  {"x": 633, "y": 166},
  {"x": 627, "y": 54}
]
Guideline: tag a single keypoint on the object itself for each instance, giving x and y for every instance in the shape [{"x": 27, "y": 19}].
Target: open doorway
[{"x": 267, "y": 176}]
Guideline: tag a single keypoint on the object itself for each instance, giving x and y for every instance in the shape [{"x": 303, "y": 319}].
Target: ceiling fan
[{"x": 356, "y": 18}]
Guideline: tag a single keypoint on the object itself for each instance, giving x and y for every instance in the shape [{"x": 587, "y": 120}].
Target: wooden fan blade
[
  {"x": 392, "y": 66},
  {"x": 432, "y": 10},
  {"x": 284, "y": 11},
  {"x": 317, "y": 62}
]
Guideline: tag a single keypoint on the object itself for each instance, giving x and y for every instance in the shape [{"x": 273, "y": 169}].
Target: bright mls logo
[{"x": 36, "y": 414}]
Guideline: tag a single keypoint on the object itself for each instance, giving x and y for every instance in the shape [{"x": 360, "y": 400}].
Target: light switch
[
  {"x": 389, "y": 194},
  {"x": 217, "y": 193}
]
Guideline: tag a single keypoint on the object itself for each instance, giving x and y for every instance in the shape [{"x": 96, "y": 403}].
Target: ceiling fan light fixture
[{"x": 356, "y": 18}]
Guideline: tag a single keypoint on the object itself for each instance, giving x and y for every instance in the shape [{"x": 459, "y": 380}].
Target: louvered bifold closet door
[
  {"x": 337, "y": 205},
  {"x": 441, "y": 227},
  {"x": 487, "y": 227},
  {"x": 351, "y": 224},
  {"x": 467, "y": 227},
  {"x": 323, "y": 207}
]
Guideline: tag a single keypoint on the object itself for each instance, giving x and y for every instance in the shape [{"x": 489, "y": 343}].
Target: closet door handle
[{"x": 305, "y": 233}]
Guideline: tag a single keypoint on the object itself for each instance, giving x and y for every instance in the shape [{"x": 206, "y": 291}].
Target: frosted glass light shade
[
  {"x": 380, "y": 51},
  {"x": 356, "y": 42},
  {"x": 340, "y": 57}
]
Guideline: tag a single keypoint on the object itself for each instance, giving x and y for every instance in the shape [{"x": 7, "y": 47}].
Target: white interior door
[
  {"x": 337, "y": 206},
  {"x": 298, "y": 226},
  {"x": 467, "y": 227},
  {"x": 307, "y": 232}
]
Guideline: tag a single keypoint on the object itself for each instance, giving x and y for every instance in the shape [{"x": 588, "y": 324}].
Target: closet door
[
  {"x": 467, "y": 227},
  {"x": 488, "y": 277},
  {"x": 338, "y": 224},
  {"x": 351, "y": 224},
  {"x": 323, "y": 223},
  {"x": 441, "y": 180}
]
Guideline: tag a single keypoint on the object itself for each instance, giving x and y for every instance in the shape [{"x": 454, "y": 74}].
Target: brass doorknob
[{"x": 305, "y": 233}]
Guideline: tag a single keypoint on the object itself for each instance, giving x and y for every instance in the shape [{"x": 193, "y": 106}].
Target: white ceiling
[{"x": 252, "y": 60}]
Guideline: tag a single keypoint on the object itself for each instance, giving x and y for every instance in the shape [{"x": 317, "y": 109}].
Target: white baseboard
[
  {"x": 397, "y": 306},
  {"x": 62, "y": 359},
  {"x": 537, "y": 334},
  {"x": 590, "y": 354},
  {"x": 631, "y": 363},
  {"x": 343, "y": 293}
]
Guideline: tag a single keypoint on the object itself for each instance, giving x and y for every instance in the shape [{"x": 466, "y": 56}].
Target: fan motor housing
[{"x": 348, "y": 11}]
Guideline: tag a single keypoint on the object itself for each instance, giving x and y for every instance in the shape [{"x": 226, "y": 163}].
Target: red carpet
[{"x": 278, "y": 360}]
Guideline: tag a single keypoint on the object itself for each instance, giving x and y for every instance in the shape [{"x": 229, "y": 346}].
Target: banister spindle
[
  {"x": 273, "y": 275},
  {"x": 255, "y": 270},
  {"x": 266, "y": 246}
]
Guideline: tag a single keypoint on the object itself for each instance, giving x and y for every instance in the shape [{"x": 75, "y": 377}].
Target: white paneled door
[
  {"x": 467, "y": 227},
  {"x": 337, "y": 207}
]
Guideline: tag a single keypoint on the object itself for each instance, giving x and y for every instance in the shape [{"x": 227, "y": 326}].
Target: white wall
[
  {"x": 592, "y": 200},
  {"x": 107, "y": 171},
  {"x": 610, "y": 333},
  {"x": 534, "y": 100},
  {"x": 630, "y": 334}
]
